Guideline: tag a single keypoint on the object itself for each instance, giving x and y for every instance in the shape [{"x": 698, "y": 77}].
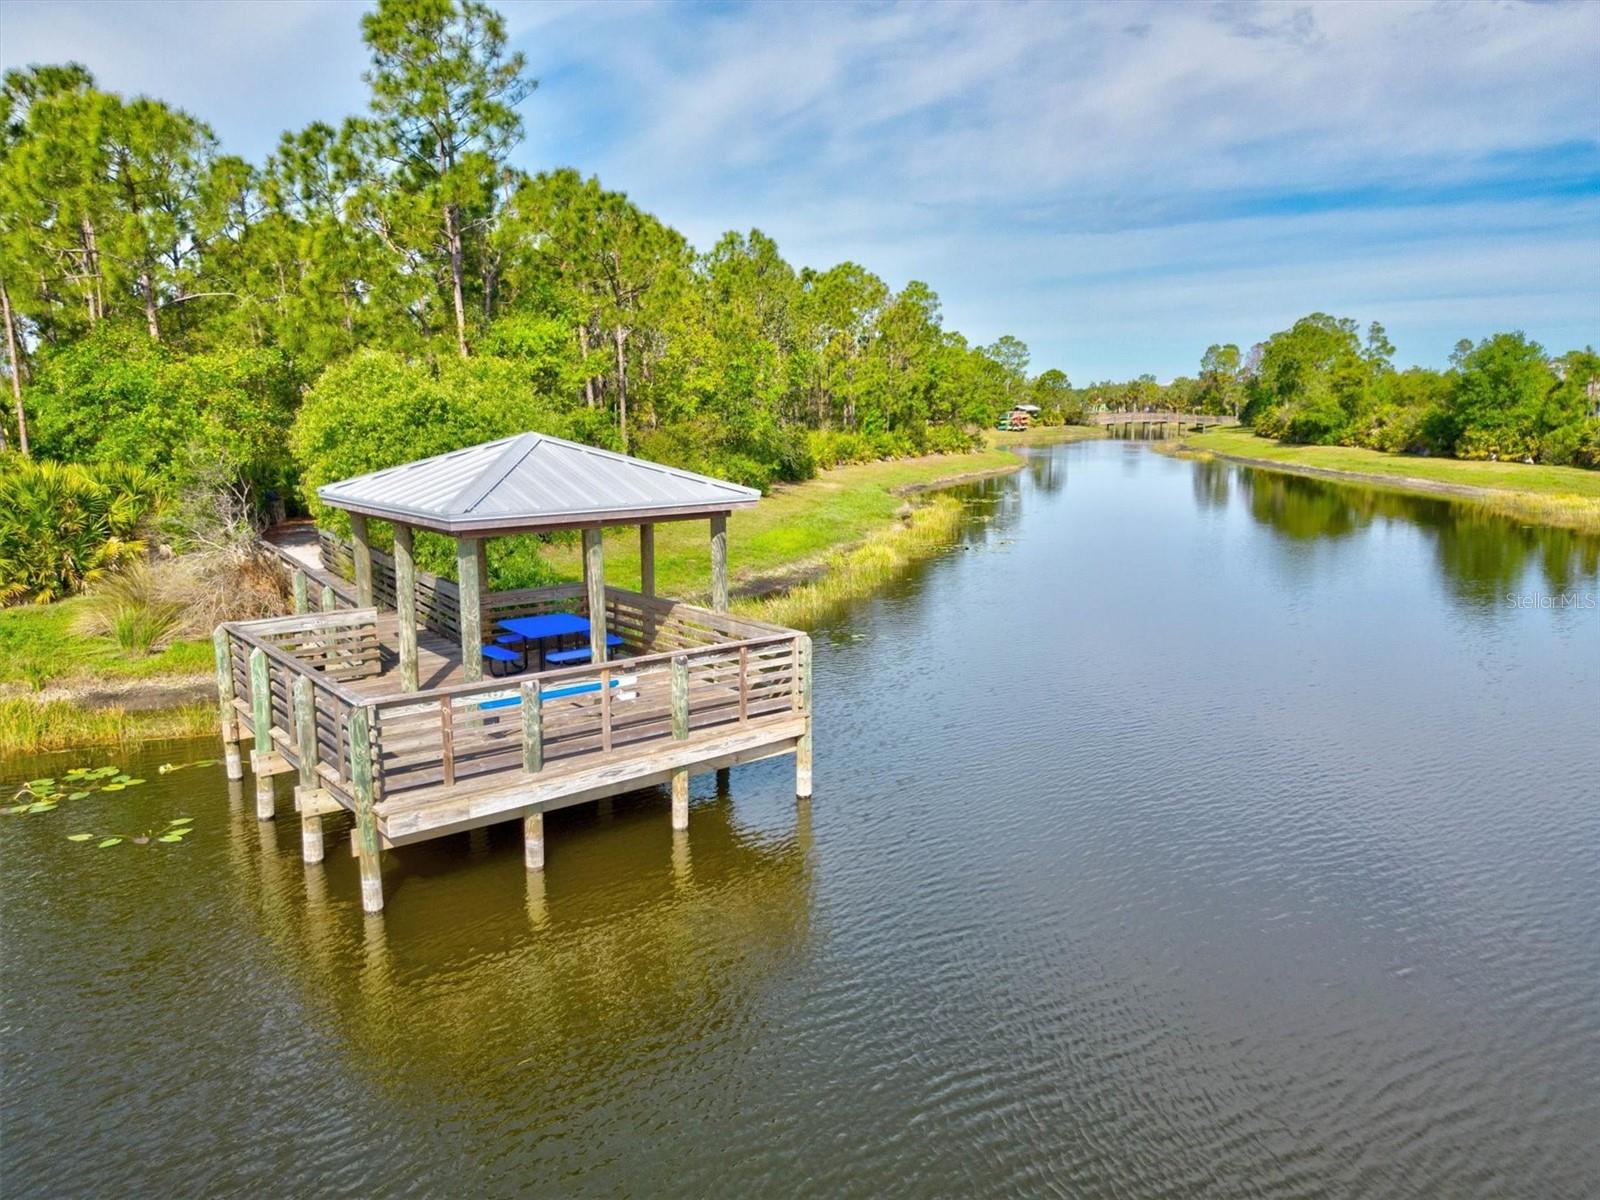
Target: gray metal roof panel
[{"x": 534, "y": 479}]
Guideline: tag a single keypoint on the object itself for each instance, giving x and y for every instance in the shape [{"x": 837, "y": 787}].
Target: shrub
[
  {"x": 63, "y": 527},
  {"x": 376, "y": 410},
  {"x": 132, "y": 609},
  {"x": 117, "y": 397}
]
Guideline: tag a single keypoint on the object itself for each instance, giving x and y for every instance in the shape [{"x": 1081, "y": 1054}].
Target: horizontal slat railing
[
  {"x": 331, "y": 702},
  {"x": 438, "y": 599},
  {"x": 445, "y": 735}
]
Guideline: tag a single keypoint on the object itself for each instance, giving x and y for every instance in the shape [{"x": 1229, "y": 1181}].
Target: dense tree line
[
  {"x": 393, "y": 286},
  {"x": 1322, "y": 382}
]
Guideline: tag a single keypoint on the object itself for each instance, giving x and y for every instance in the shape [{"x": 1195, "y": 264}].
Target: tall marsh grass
[
  {"x": 857, "y": 571},
  {"x": 28, "y": 726}
]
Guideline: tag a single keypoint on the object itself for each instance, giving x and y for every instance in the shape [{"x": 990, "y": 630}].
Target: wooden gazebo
[{"x": 381, "y": 706}]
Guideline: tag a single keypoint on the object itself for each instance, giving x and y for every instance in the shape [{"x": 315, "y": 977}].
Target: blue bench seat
[
  {"x": 579, "y": 654},
  {"x": 499, "y": 654}
]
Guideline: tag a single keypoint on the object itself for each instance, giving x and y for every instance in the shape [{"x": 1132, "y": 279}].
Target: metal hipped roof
[{"x": 532, "y": 481}]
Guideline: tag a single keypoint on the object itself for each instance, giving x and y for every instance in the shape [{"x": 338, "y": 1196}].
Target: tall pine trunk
[
  {"x": 91, "y": 266},
  {"x": 452, "y": 233},
  {"x": 16, "y": 373},
  {"x": 622, "y": 388},
  {"x": 588, "y": 380},
  {"x": 147, "y": 284}
]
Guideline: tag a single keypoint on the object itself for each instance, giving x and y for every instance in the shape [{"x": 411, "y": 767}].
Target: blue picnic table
[{"x": 550, "y": 625}]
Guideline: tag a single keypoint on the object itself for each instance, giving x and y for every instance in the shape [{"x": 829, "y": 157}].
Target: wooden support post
[
  {"x": 483, "y": 567},
  {"x": 261, "y": 720},
  {"x": 405, "y": 603},
  {"x": 230, "y": 716},
  {"x": 363, "y": 560},
  {"x": 367, "y": 849},
  {"x": 594, "y": 576},
  {"x": 533, "y": 839},
  {"x": 532, "y": 727},
  {"x": 467, "y": 581},
  {"x": 329, "y": 600},
  {"x": 719, "y": 563},
  {"x": 680, "y": 731},
  {"x": 301, "y": 603},
  {"x": 802, "y": 748},
  {"x": 647, "y": 559},
  {"x": 305, "y": 742}
]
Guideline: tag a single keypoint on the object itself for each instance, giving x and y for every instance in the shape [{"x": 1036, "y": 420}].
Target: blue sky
[{"x": 1118, "y": 185}]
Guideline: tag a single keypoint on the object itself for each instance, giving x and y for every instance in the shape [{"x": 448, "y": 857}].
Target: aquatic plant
[
  {"x": 44, "y": 794},
  {"x": 175, "y": 831}
]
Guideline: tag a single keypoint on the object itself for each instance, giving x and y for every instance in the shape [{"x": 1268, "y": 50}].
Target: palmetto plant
[{"x": 64, "y": 526}]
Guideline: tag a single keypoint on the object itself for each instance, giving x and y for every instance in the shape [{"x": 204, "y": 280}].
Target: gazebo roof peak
[{"x": 532, "y": 481}]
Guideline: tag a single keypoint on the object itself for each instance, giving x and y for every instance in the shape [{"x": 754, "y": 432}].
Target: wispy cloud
[{"x": 1119, "y": 184}]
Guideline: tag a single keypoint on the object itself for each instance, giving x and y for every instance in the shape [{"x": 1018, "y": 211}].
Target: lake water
[{"x": 1184, "y": 831}]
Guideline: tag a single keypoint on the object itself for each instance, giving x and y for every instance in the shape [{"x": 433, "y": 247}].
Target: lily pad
[
  {"x": 37, "y": 783},
  {"x": 79, "y": 837},
  {"x": 170, "y": 837},
  {"x": 112, "y": 787},
  {"x": 77, "y": 795},
  {"x": 105, "y": 842}
]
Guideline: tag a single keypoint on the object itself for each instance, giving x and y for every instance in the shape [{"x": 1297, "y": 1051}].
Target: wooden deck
[{"x": 320, "y": 694}]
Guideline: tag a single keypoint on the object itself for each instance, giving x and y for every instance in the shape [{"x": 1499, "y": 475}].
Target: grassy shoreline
[
  {"x": 805, "y": 549},
  {"x": 1565, "y": 497}
]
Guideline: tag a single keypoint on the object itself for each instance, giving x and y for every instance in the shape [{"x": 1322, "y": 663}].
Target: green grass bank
[
  {"x": 804, "y": 550},
  {"x": 1566, "y": 497}
]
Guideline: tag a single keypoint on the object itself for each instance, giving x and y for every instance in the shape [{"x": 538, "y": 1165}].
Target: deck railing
[
  {"x": 450, "y": 734},
  {"x": 438, "y": 599},
  {"x": 260, "y": 664},
  {"x": 704, "y": 670}
]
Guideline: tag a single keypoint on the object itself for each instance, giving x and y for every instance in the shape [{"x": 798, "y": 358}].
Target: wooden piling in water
[
  {"x": 366, "y": 831},
  {"x": 229, "y": 715},
  {"x": 680, "y": 731},
  {"x": 308, "y": 794},
  {"x": 261, "y": 720},
  {"x": 533, "y": 839},
  {"x": 802, "y": 747}
]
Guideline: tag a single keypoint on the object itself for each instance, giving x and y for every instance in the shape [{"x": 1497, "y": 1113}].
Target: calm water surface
[{"x": 1185, "y": 831}]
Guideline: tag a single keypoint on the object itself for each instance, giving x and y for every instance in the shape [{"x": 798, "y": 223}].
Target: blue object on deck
[
  {"x": 555, "y": 693},
  {"x": 501, "y": 654},
  {"x": 580, "y": 654},
  {"x": 509, "y": 639},
  {"x": 546, "y": 625}
]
